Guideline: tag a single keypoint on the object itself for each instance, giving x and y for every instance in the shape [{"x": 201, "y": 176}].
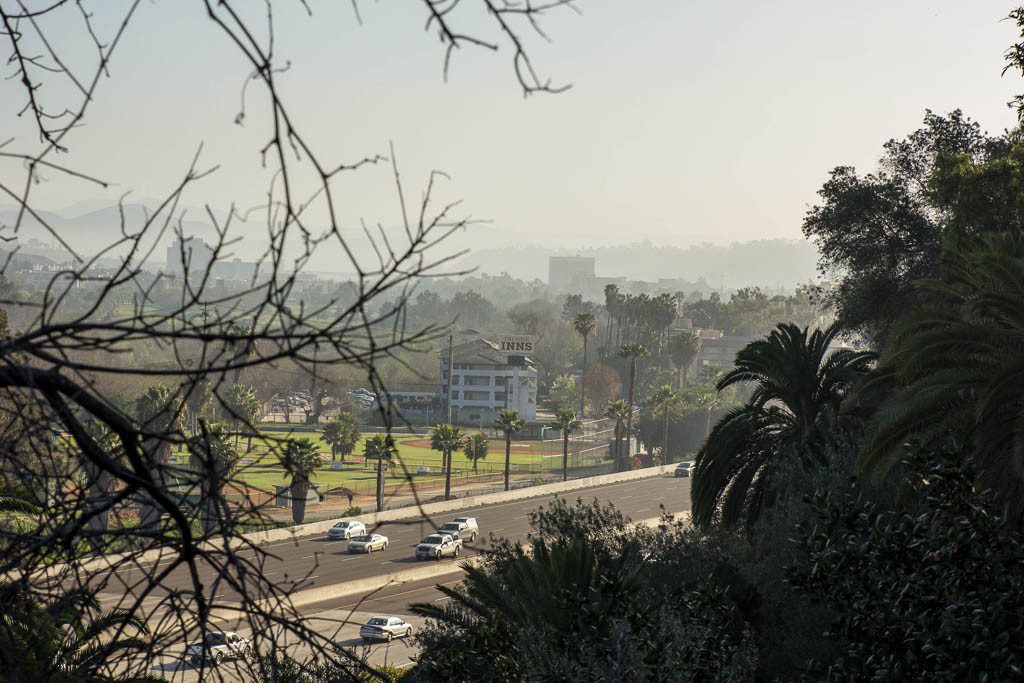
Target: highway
[{"x": 316, "y": 561}]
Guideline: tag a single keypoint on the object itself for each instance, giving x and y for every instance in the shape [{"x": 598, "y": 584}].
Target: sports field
[{"x": 261, "y": 468}]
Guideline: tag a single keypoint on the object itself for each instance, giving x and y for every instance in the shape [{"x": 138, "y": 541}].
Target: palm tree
[
  {"x": 682, "y": 350},
  {"x": 160, "y": 413},
  {"x": 793, "y": 410},
  {"x": 476, "y": 447},
  {"x": 213, "y": 460},
  {"x": 566, "y": 421},
  {"x": 68, "y": 639},
  {"x": 380, "y": 447},
  {"x": 633, "y": 353},
  {"x": 618, "y": 411},
  {"x": 509, "y": 422},
  {"x": 342, "y": 434},
  {"x": 957, "y": 367},
  {"x": 300, "y": 460},
  {"x": 664, "y": 399},
  {"x": 709, "y": 401},
  {"x": 242, "y": 407},
  {"x": 446, "y": 439},
  {"x": 584, "y": 324}
]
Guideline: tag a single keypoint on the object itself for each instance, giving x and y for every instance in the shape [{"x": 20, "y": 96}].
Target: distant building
[
  {"x": 483, "y": 382},
  {"x": 191, "y": 252},
  {"x": 570, "y": 274}
]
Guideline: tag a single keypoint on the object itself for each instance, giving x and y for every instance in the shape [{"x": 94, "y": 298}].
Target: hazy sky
[{"x": 688, "y": 120}]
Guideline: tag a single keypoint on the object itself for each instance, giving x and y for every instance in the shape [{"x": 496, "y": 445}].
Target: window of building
[{"x": 477, "y": 395}]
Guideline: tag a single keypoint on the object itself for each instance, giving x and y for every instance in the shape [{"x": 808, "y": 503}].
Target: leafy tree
[
  {"x": 447, "y": 439},
  {"x": 475, "y": 447},
  {"x": 683, "y": 349},
  {"x": 632, "y": 353},
  {"x": 509, "y": 423},
  {"x": 380, "y": 447},
  {"x": 928, "y": 591},
  {"x": 68, "y": 639},
  {"x": 565, "y": 392},
  {"x": 213, "y": 460},
  {"x": 567, "y": 423},
  {"x": 798, "y": 386},
  {"x": 300, "y": 461},
  {"x": 160, "y": 414},
  {"x": 602, "y": 384},
  {"x": 619, "y": 411},
  {"x": 878, "y": 233},
  {"x": 957, "y": 366},
  {"x": 342, "y": 434},
  {"x": 584, "y": 324}
]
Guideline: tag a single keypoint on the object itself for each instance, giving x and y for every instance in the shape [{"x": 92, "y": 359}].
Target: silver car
[
  {"x": 367, "y": 543},
  {"x": 385, "y": 628},
  {"x": 437, "y": 546},
  {"x": 346, "y": 530},
  {"x": 218, "y": 646}
]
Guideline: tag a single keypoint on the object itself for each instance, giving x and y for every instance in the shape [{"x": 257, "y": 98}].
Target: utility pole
[{"x": 448, "y": 409}]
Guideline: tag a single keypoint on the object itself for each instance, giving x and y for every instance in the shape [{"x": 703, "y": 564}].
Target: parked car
[
  {"x": 683, "y": 469},
  {"x": 346, "y": 529},
  {"x": 385, "y": 628},
  {"x": 367, "y": 543},
  {"x": 461, "y": 528},
  {"x": 437, "y": 546},
  {"x": 218, "y": 646}
]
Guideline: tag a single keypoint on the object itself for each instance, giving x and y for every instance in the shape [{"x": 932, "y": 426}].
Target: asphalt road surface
[{"x": 316, "y": 561}]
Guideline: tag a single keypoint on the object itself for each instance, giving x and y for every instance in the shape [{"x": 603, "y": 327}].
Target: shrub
[{"x": 932, "y": 591}]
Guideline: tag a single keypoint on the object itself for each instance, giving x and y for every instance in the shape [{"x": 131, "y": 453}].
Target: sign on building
[{"x": 516, "y": 344}]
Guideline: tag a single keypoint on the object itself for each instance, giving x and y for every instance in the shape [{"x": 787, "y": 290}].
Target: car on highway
[
  {"x": 346, "y": 529},
  {"x": 436, "y": 546},
  {"x": 385, "y": 628},
  {"x": 368, "y": 543},
  {"x": 218, "y": 646},
  {"x": 684, "y": 469},
  {"x": 462, "y": 528}
]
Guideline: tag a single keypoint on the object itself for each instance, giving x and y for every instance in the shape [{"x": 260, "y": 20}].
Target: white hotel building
[{"x": 484, "y": 381}]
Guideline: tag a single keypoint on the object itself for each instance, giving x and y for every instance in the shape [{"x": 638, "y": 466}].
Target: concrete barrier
[
  {"x": 369, "y": 584},
  {"x": 373, "y": 519}
]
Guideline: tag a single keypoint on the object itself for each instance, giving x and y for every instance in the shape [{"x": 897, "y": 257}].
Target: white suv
[
  {"x": 461, "y": 527},
  {"x": 347, "y": 530}
]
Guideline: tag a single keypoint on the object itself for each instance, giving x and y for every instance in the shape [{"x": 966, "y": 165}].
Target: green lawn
[{"x": 264, "y": 471}]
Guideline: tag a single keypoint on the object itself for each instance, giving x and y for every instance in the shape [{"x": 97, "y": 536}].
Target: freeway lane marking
[{"x": 645, "y": 510}]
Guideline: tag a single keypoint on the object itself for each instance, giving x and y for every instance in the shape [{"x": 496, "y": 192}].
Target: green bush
[{"x": 931, "y": 591}]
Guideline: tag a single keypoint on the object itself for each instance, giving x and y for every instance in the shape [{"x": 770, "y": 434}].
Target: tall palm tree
[
  {"x": 709, "y": 401},
  {"x": 584, "y": 324},
  {"x": 213, "y": 460},
  {"x": 68, "y": 639},
  {"x": 447, "y": 439},
  {"x": 509, "y": 422},
  {"x": 476, "y": 447},
  {"x": 300, "y": 460},
  {"x": 242, "y": 408},
  {"x": 957, "y": 366},
  {"x": 683, "y": 348},
  {"x": 618, "y": 411},
  {"x": 160, "y": 413},
  {"x": 632, "y": 353},
  {"x": 380, "y": 447},
  {"x": 798, "y": 386},
  {"x": 566, "y": 421},
  {"x": 664, "y": 399}
]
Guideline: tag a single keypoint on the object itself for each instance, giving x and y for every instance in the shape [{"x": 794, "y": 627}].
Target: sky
[{"x": 688, "y": 121}]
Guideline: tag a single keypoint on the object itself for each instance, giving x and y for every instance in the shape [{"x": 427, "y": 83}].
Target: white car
[
  {"x": 367, "y": 543},
  {"x": 385, "y": 628},
  {"x": 218, "y": 646},
  {"x": 436, "y": 546},
  {"x": 462, "y": 528},
  {"x": 684, "y": 468},
  {"x": 346, "y": 530}
]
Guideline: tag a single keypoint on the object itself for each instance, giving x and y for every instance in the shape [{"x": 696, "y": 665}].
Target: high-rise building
[{"x": 570, "y": 274}]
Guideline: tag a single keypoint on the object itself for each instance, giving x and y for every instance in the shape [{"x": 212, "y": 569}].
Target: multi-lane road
[{"x": 316, "y": 561}]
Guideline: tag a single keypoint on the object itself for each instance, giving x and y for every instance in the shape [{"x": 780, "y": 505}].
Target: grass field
[{"x": 420, "y": 461}]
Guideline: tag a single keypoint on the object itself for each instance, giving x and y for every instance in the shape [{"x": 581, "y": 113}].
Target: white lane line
[
  {"x": 269, "y": 573},
  {"x": 645, "y": 510},
  {"x": 442, "y": 599},
  {"x": 521, "y": 517},
  {"x": 659, "y": 498},
  {"x": 501, "y": 529}
]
